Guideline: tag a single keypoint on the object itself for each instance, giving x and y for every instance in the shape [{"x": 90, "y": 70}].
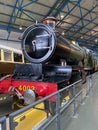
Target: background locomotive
[{"x": 55, "y": 62}]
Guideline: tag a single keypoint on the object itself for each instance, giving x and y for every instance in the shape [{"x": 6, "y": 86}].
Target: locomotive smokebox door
[{"x": 38, "y": 43}]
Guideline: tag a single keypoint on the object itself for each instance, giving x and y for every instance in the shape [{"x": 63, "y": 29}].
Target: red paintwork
[{"x": 42, "y": 88}]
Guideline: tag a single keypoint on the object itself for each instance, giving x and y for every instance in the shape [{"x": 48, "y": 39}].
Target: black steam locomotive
[
  {"x": 53, "y": 57},
  {"x": 55, "y": 63}
]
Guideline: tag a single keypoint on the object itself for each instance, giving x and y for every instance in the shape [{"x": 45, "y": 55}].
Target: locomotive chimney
[{"x": 50, "y": 21}]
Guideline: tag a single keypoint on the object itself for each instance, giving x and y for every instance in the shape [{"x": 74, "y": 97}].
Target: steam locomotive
[{"x": 54, "y": 63}]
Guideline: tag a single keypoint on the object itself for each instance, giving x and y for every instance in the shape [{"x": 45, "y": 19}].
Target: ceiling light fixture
[
  {"x": 20, "y": 27},
  {"x": 81, "y": 37},
  {"x": 74, "y": 42},
  {"x": 63, "y": 33},
  {"x": 96, "y": 40},
  {"x": 62, "y": 16}
]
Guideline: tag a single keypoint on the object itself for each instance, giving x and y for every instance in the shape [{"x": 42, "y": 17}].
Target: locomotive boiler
[
  {"x": 46, "y": 48},
  {"x": 55, "y": 62},
  {"x": 41, "y": 43}
]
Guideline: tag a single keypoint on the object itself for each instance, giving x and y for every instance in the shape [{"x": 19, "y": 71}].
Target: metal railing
[
  {"x": 60, "y": 114},
  {"x": 62, "y": 109},
  {"x": 3, "y": 123}
]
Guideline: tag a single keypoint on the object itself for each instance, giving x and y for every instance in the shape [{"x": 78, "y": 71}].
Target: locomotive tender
[{"x": 55, "y": 62}]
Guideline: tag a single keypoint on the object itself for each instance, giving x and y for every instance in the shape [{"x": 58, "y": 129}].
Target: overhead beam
[
  {"x": 33, "y": 19},
  {"x": 29, "y": 3},
  {"x": 91, "y": 29},
  {"x": 4, "y": 27},
  {"x": 83, "y": 16},
  {"x": 85, "y": 26},
  {"x": 63, "y": 5},
  {"x": 69, "y": 11},
  {"x": 14, "y": 11},
  {"x": 52, "y": 8}
]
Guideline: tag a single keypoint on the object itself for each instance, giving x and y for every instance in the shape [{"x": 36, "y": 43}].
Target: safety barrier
[
  {"x": 61, "y": 111},
  {"x": 3, "y": 123},
  {"x": 39, "y": 117}
]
